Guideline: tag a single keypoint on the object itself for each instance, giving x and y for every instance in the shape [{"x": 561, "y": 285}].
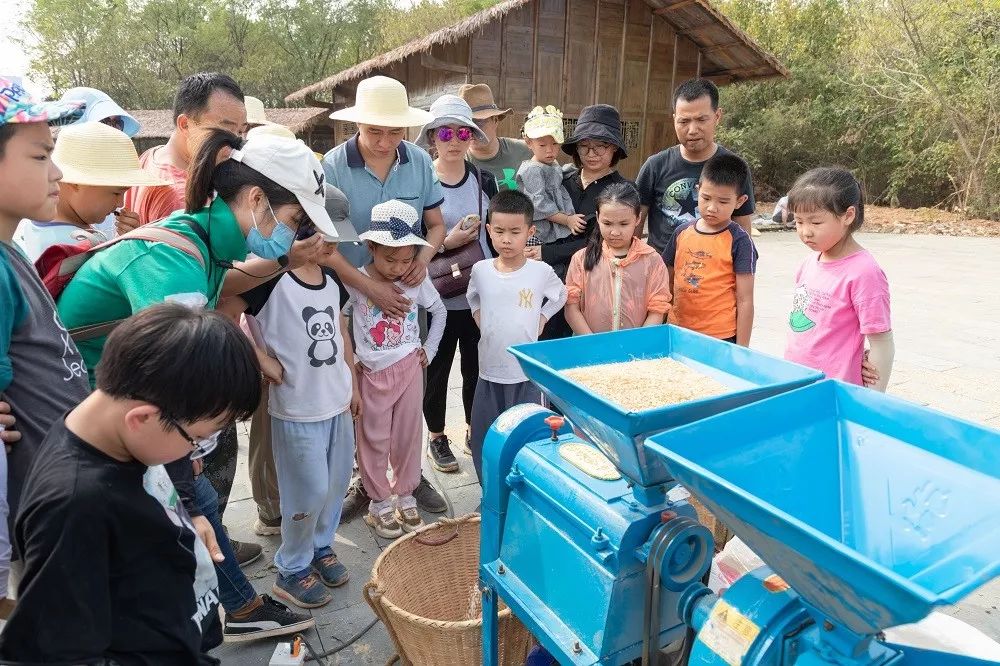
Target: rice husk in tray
[{"x": 646, "y": 383}]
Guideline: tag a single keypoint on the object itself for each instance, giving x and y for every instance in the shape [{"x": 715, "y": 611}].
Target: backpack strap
[{"x": 147, "y": 233}]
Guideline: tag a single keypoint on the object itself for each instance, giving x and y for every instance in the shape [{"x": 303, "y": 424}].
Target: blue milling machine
[{"x": 868, "y": 512}]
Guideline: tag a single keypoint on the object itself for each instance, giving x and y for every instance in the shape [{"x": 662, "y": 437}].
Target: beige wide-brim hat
[
  {"x": 479, "y": 96},
  {"x": 255, "y": 111},
  {"x": 383, "y": 101},
  {"x": 93, "y": 153}
]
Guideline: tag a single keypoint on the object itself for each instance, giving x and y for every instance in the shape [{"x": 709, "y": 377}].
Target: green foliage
[{"x": 904, "y": 92}]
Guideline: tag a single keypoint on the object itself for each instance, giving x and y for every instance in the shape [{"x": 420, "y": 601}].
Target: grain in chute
[{"x": 646, "y": 383}]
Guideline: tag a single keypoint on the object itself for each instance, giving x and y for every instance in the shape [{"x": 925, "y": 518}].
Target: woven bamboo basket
[
  {"x": 425, "y": 589},
  {"x": 720, "y": 533}
]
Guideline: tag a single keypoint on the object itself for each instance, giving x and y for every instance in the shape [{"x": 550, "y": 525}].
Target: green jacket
[{"x": 133, "y": 275}]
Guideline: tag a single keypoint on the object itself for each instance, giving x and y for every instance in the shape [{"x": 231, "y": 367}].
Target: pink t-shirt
[
  {"x": 836, "y": 304},
  {"x": 154, "y": 202}
]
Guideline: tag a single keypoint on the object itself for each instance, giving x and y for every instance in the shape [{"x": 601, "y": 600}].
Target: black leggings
[{"x": 460, "y": 331}]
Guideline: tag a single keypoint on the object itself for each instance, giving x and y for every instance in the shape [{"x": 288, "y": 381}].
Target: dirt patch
[{"x": 886, "y": 220}]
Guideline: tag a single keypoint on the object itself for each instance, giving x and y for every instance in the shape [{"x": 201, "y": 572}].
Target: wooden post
[
  {"x": 468, "y": 60},
  {"x": 673, "y": 79},
  {"x": 502, "y": 78},
  {"x": 534, "y": 55},
  {"x": 597, "y": 51},
  {"x": 564, "y": 82},
  {"x": 621, "y": 58},
  {"x": 645, "y": 96},
  {"x": 698, "y": 70}
]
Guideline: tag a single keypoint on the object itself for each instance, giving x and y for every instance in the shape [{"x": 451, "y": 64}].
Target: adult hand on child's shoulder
[
  {"x": 389, "y": 298},
  {"x": 416, "y": 274},
  {"x": 204, "y": 530},
  {"x": 8, "y": 431}
]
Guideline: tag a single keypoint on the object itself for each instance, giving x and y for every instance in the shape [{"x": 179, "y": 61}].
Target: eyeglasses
[
  {"x": 599, "y": 149},
  {"x": 200, "y": 447},
  {"x": 115, "y": 121},
  {"x": 446, "y": 134}
]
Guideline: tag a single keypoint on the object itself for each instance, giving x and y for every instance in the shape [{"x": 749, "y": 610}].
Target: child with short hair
[
  {"x": 313, "y": 401},
  {"x": 618, "y": 281},
  {"x": 511, "y": 297},
  {"x": 114, "y": 571},
  {"x": 391, "y": 361},
  {"x": 711, "y": 261},
  {"x": 42, "y": 375},
  {"x": 99, "y": 163},
  {"x": 541, "y": 177},
  {"x": 841, "y": 294}
]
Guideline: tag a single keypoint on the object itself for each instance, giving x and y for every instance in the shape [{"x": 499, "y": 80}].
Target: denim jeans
[
  {"x": 313, "y": 462},
  {"x": 235, "y": 591}
]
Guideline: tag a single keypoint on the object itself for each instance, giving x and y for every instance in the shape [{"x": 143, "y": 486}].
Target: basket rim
[{"x": 436, "y": 525}]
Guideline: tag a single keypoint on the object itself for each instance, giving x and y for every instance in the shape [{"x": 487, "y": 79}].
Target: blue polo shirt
[{"x": 412, "y": 180}]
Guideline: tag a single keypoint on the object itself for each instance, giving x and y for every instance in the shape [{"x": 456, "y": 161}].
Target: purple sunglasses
[{"x": 446, "y": 134}]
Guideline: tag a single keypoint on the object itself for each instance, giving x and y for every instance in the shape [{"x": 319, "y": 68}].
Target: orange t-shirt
[
  {"x": 619, "y": 293},
  {"x": 153, "y": 203},
  {"x": 705, "y": 266}
]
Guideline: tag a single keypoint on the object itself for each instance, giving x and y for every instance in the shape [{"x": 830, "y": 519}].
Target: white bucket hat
[
  {"x": 293, "y": 166},
  {"x": 101, "y": 106},
  {"x": 382, "y": 101},
  {"x": 450, "y": 110},
  {"x": 394, "y": 224},
  {"x": 96, "y": 154},
  {"x": 255, "y": 111}
]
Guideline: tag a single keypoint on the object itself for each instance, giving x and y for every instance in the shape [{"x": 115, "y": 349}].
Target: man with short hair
[
  {"x": 501, "y": 156},
  {"x": 668, "y": 180},
  {"x": 372, "y": 167},
  {"x": 204, "y": 101}
]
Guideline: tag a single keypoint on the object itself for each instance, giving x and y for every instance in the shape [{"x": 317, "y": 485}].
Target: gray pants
[{"x": 491, "y": 401}]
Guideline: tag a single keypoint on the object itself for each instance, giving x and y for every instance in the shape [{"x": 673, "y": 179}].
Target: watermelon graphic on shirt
[{"x": 798, "y": 320}]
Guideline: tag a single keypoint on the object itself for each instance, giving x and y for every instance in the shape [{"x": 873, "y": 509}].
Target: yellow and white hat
[
  {"x": 544, "y": 122},
  {"x": 93, "y": 153}
]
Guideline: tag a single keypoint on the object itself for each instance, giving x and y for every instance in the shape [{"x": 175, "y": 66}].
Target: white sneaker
[{"x": 384, "y": 523}]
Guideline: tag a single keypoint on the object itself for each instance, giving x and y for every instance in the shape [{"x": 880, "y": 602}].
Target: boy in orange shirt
[{"x": 711, "y": 261}]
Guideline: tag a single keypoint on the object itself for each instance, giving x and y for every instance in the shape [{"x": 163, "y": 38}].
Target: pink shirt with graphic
[{"x": 836, "y": 304}]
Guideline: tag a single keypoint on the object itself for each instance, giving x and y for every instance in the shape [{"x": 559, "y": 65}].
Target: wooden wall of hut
[{"x": 570, "y": 53}]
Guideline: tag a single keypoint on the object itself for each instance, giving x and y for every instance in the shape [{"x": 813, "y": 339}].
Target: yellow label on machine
[
  {"x": 590, "y": 461},
  {"x": 728, "y": 633}
]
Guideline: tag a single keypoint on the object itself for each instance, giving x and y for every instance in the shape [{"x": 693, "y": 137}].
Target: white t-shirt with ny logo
[{"x": 510, "y": 306}]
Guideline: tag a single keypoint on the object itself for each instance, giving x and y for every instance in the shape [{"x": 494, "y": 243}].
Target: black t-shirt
[
  {"x": 666, "y": 184},
  {"x": 558, "y": 253},
  {"x": 110, "y": 572}
]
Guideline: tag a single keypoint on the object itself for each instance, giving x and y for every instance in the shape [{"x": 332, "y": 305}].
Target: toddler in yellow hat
[
  {"x": 541, "y": 177},
  {"x": 99, "y": 163}
]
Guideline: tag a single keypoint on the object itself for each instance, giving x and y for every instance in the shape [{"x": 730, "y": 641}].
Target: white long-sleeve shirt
[
  {"x": 510, "y": 307},
  {"x": 380, "y": 341}
]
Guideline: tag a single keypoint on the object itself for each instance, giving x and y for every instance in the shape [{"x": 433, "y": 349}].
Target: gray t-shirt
[
  {"x": 459, "y": 201},
  {"x": 48, "y": 374},
  {"x": 543, "y": 184},
  {"x": 505, "y": 163}
]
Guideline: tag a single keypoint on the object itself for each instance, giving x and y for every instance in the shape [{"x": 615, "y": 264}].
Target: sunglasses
[
  {"x": 446, "y": 134},
  {"x": 199, "y": 447}
]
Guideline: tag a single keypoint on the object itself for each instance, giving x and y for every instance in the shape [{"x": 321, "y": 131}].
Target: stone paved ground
[{"x": 946, "y": 315}]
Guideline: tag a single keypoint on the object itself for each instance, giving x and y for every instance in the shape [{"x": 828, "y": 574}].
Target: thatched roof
[
  {"x": 733, "y": 53},
  {"x": 159, "y": 123}
]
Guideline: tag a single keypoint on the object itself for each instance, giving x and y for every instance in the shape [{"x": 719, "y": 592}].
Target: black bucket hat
[{"x": 599, "y": 122}]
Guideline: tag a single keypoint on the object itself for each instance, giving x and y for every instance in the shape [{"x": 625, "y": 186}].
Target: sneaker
[
  {"x": 265, "y": 527},
  {"x": 429, "y": 499},
  {"x": 384, "y": 523},
  {"x": 355, "y": 502},
  {"x": 271, "y": 619},
  {"x": 409, "y": 518},
  {"x": 303, "y": 591},
  {"x": 330, "y": 571},
  {"x": 246, "y": 553},
  {"x": 465, "y": 446},
  {"x": 439, "y": 451}
]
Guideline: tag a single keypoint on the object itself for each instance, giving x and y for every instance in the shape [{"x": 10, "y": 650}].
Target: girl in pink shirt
[
  {"x": 841, "y": 294},
  {"x": 617, "y": 281}
]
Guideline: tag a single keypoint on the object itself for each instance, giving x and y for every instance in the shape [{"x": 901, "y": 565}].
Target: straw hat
[
  {"x": 271, "y": 129},
  {"x": 255, "y": 111},
  {"x": 382, "y": 101},
  {"x": 450, "y": 110},
  {"x": 479, "y": 96},
  {"x": 95, "y": 154},
  {"x": 394, "y": 224}
]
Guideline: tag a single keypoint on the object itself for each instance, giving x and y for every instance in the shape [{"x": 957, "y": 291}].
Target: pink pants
[{"x": 390, "y": 428}]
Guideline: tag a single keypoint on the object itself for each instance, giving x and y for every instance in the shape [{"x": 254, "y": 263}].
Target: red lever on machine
[{"x": 555, "y": 423}]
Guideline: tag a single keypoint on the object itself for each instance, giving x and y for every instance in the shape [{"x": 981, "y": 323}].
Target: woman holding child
[
  {"x": 596, "y": 146},
  {"x": 467, "y": 193}
]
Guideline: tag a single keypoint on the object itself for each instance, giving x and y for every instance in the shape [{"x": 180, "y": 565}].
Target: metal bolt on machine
[{"x": 868, "y": 512}]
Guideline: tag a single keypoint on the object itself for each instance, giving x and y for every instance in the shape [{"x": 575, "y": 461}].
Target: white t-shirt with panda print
[{"x": 300, "y": 324}]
